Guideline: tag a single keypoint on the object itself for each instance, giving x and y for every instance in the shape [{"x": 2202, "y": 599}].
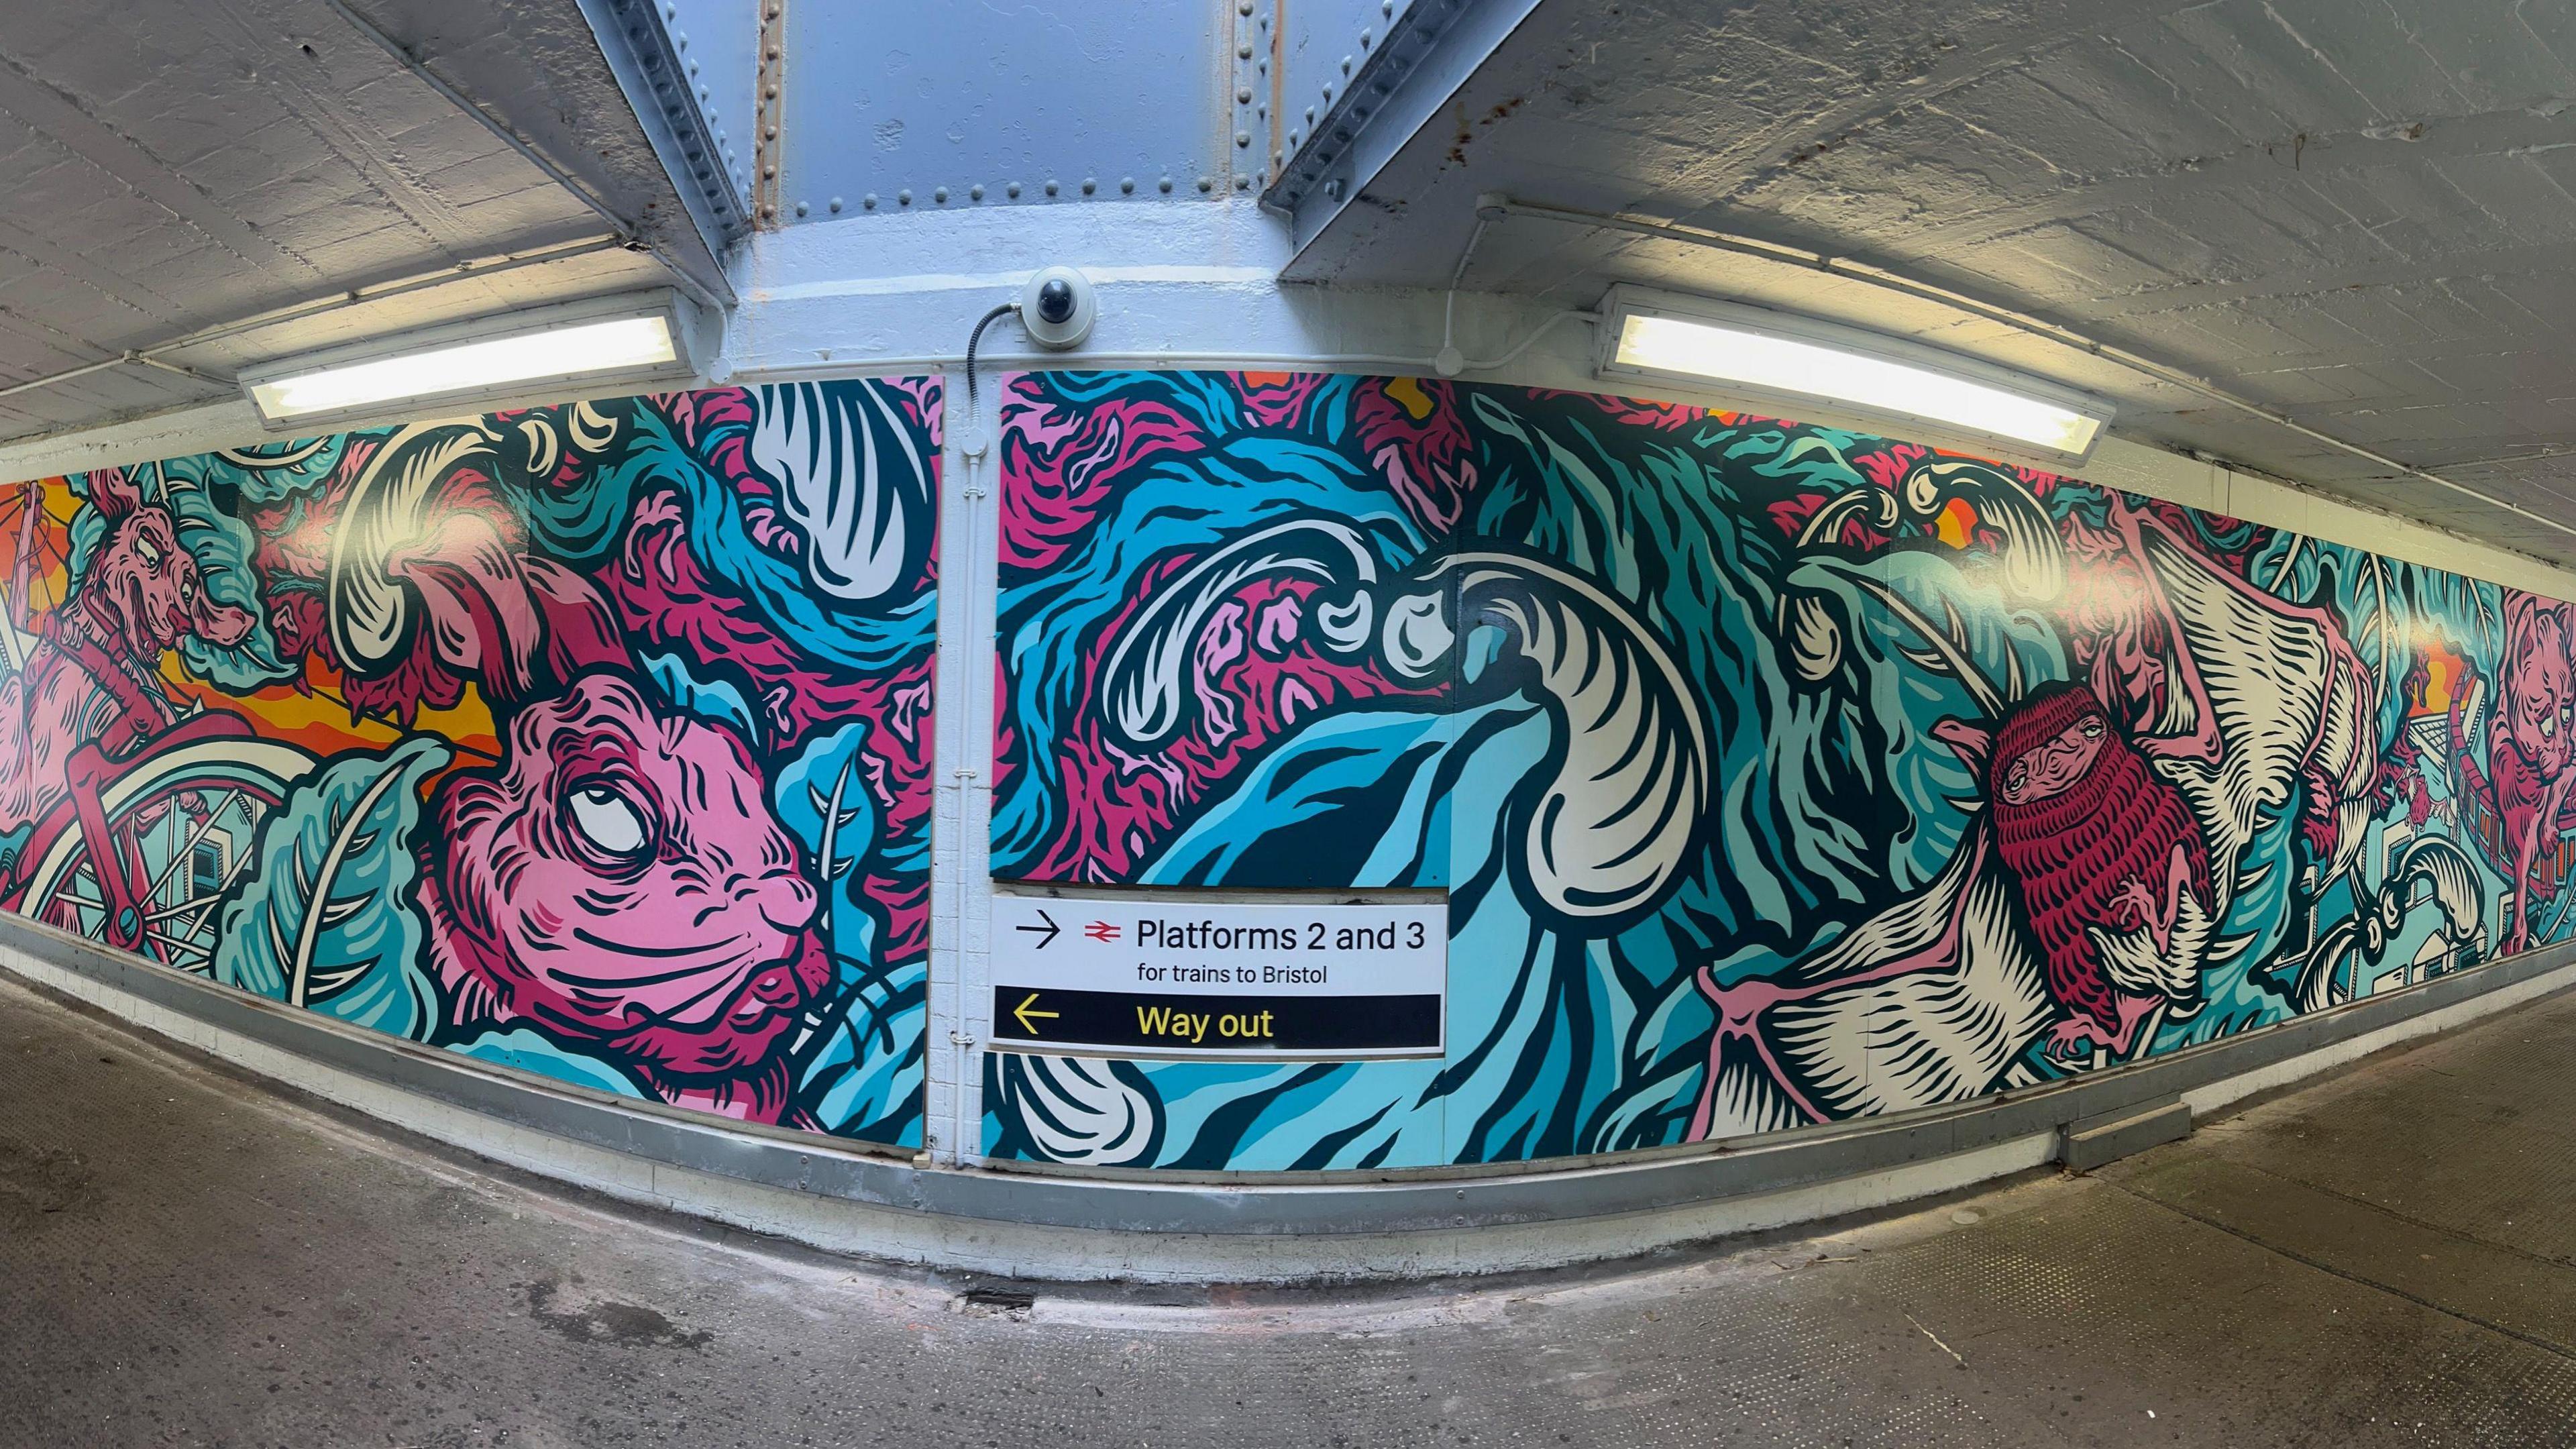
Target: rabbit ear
[
  {"x": 2535, "y": 626},
  {"x": 114, "y": 492},
  {"x": 2549, "y": 628},
  {"x": 2521, "y": 616}
]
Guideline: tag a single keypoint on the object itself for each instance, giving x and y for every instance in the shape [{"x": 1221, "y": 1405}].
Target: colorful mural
[
  {"x": 592, "y": 740},
  {"x": 1776, "y": 774}
]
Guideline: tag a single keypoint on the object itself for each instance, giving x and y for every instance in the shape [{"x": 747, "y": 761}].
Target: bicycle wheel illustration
[{"x": 185, "y": 825}]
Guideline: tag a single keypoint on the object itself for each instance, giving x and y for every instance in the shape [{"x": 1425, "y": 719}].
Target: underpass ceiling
[
  {"x": 2359, "y": 216},
  {"x": 175, "y": 166}
]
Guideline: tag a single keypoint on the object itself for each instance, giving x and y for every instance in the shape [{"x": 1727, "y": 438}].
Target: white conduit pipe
[{"x": 1253, "y": 361}]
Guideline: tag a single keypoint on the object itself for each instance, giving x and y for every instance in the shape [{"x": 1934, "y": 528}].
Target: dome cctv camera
[
  {"x": 1058, "y": 308},
  {"x": 1055, "y": 301}
]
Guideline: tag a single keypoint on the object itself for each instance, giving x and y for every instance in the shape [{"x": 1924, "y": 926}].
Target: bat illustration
[
  {"x": 2083, "y": 905},
  {"x": 2111, "y": 869}
]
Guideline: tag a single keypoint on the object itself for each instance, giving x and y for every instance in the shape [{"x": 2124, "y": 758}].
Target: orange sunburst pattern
[
  {"x": 318, "y": 716},
  {"x": 1957, "y": 523},
  {"x": 2444, "y": 671},
  {"x": 50, "y": 579}
]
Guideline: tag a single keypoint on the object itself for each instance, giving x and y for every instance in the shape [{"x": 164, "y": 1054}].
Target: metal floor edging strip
[{"x": 1267, "y": 1204}]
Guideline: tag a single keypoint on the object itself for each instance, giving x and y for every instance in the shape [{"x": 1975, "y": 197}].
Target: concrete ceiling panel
[
  {"x": 2357, "y": 214},
  {"x": 178, "y": 165}
]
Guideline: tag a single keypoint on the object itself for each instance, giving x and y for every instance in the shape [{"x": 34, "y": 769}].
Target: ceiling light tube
[
  {"x": 1784, "y": 360},
  {"x": 532, "y": 354}
]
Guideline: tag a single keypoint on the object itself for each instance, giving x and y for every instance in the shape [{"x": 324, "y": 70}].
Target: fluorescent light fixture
[
  {"x": 492, "y": 361},
  {"x": 1783, "y": 359},
  {"x": 628, "y": 342}
]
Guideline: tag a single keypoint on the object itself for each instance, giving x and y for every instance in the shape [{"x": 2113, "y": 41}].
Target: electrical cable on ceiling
[
  {"x": 1447, "y": 360},
  {"x": 1256, "y": 361}
]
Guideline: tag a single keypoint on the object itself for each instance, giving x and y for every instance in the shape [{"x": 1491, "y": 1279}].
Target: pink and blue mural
[
  {"x": 1776, "y": 774},
  {"x": 592, "y": 740},
  {"x": 1773, "y": 774}
]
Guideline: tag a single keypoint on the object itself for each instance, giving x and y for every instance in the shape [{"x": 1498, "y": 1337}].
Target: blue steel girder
[
  {"x": 893, "y": 108},
  {"x": 683, "y": 66},
  {"x": 1353, "y": 80}
]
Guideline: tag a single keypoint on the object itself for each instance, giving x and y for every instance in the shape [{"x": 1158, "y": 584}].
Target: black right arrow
[{"x": 1051, "y": 928}]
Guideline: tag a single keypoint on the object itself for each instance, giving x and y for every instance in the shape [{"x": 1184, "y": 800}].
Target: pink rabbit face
[
  {"x": 149, "y": 585},
  {"x": 2540, "y": 695},
  {"x": 621, "y": 878}
]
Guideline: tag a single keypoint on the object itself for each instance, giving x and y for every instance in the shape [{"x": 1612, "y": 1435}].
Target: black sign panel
[{"x": 1158, "y": 1024}]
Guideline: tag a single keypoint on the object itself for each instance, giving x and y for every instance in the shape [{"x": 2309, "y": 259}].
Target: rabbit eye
[{"x": 608, "y": 822}]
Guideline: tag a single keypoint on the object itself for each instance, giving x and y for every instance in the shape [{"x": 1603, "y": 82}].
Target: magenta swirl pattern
[
  {"x": 590, "y": 740},
  {"x": 1775, "y": 774}
]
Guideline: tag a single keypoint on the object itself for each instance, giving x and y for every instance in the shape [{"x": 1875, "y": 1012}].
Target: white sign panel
[{"x": 1167, "y": 978}]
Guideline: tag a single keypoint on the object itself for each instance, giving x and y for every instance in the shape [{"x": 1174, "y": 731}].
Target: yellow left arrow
[{"x": 1024, "y": 1014}]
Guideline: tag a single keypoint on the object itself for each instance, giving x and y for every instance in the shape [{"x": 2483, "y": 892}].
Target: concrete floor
[{"x": 187, "y": 1258}]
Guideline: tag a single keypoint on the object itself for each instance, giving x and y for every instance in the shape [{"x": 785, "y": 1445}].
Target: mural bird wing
[
  {"x": 2269, "y": 693},
  {"x": 1926, "y": 1002}
]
